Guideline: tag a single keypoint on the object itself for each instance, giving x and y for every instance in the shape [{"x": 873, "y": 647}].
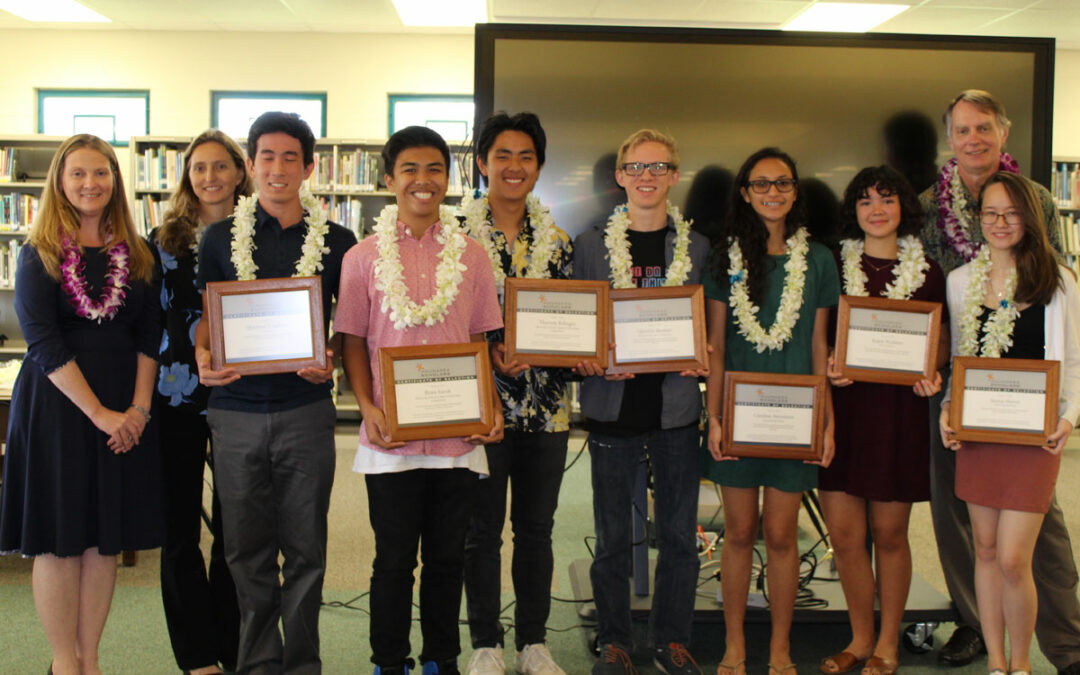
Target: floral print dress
[{"x": 181, "y": 305}]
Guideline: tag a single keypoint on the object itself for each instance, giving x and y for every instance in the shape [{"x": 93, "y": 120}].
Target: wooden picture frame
[
  {"x": 454, "y": 363},
  {"x": 1017, "y": 381},
  {"x": 901, "y": 319},
  {"x": 526, "y": 295},
  {"x": 266, "y": 326},
  {"x": 785, "y": 395},
  {"x": 657, "y": 301}
]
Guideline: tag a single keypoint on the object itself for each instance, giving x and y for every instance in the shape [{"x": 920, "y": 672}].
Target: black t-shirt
[
  {"x": 642, "y": 400},
  {"x": 276, "y": 251}
]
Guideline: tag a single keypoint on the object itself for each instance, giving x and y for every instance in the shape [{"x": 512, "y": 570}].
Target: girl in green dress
[{"x": 768, "y": 299}]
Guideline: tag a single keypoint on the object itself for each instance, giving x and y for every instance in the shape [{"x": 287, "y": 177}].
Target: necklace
[
  {"x": 952, "y": 201},
  {"x": 618, "y": 246},
  {"x": 997, "y": 330},
  {"x": 311, "y": 253},
  {"x": 389, "y": 272},
  {"x": 74, "y": 285},
  {"x": 908, "y": 275},
  {"x": 478, "y": 222},
  {"x": 791, "y": 298}
]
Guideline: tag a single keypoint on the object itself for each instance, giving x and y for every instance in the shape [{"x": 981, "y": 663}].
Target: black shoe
[
  {"x": 1071, "y": 669},
  {"x": 962, "y": 648}
]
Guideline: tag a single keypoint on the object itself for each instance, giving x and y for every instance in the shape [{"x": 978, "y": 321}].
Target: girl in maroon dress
[
  {"x": 1012, "y": 301},
  {"x": 882, "y": 430}
]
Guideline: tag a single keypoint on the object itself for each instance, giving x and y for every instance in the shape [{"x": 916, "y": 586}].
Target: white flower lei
[
  {"x": 998, "y": 328},
  {"x": 908, "y": 276},
  {"x": 478, "y": 222},
  {"x": 791, "y": 299},
  {"x": 243, "y": 231},
  {"x": 618, "y": 246},
  {"x": 404, "y": 312}
]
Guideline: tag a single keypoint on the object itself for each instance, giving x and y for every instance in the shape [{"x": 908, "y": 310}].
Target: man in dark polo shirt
[{"x": 273, "y": 435}]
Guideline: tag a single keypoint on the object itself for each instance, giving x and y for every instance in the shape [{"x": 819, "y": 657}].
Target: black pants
[
  {"x": 429, "y": 508},
  {"x": 532, "y": 464},
  {"x": 200, "y": 610}
]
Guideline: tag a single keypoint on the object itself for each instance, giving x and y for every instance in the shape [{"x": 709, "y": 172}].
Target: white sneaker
[
  {"x": 486, "y": 661},
  {"x": 535, "y": 659}
]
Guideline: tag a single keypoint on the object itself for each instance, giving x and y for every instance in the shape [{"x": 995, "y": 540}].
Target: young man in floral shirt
[{"x": 521, "y": 240}]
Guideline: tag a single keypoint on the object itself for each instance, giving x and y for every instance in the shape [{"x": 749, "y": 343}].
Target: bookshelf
[
  {"x": 1065, "y": 188},
  {"x": 24, "y": 164}
]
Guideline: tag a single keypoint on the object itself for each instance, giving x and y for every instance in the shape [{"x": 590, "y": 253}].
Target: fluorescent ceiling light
[
  {"x": 64, "y": 11},
  {"x": 845, "y": 17},
  {"x": 441, "y": 12}
]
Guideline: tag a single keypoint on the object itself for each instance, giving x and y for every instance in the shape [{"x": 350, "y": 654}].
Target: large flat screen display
[{"x": 823, "y": 98}]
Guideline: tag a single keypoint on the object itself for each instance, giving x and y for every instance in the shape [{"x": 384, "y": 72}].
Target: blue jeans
[{"x": 674, "y": 456}]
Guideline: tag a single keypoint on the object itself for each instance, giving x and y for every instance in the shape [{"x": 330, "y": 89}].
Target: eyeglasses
[
  {"x": 1011, "y": 217},
  {"x": 638, "y": 168},
  {"x": 761, "y": 186}
]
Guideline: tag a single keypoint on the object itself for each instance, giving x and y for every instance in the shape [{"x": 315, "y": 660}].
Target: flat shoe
[
  {"x": 782, "y": 669},
  {"x": 724, "y": 668},
  {"x": 876, "y": 665},
  {"x": 843, "y": 662}
]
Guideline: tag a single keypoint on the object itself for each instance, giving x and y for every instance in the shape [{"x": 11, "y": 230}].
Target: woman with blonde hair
[
  {"x": 200, "y": 608},
  {"x": 82, "y": 474}
]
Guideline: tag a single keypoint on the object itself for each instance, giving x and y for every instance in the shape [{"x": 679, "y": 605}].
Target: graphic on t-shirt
[{"x": 654, "y": 276}]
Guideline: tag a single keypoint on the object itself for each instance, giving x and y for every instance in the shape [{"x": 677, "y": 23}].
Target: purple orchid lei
[
  {"x": 946, "y": 191},
  {"x": 74, "y": 285}
]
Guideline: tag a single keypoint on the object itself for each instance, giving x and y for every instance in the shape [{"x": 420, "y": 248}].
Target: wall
[
  {"x": 356, "y": 70},
  {"x": 1067, "y": 103}
]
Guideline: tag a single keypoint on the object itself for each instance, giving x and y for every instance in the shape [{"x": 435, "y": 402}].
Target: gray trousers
[
  {"x": 1057, "y": 627},
  {"x": 274, "y": 472}
]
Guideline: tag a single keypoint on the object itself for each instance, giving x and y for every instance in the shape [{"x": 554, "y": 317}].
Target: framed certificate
[
  {"x": 773, "y": 415},
  {"x": 658, "y": 330},
  {"x": 266, "y": 325},
  {"x": 556, "y": 322},
  {"x": 1004, "y": 400},
  {"x": 437, "y": 391},
  {"x": 884, "y": 340}
]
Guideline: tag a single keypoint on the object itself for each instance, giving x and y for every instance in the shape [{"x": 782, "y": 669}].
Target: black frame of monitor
[{"x": 1042, "y": 49}]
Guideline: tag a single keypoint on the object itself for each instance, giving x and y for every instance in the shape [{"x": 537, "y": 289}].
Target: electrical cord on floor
[{"x": 584, "y": 444}]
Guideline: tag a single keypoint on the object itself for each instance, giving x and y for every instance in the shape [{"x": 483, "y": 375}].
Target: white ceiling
[{"x": 1024, "y": 18}]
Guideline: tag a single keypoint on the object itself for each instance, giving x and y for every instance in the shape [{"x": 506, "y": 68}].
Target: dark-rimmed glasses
[
  {"x": 1011, "y": 217},
  {"x": 761, "y": 186},
  {"x": 638, "y": 168}
]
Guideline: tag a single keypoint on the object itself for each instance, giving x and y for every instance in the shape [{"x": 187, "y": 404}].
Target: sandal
[
  {"x": 876, "y": 665},
  {"x": 724, "y": 669},
  {"x": 782, "y": 669},
  {"x": 842, "y": 662}
]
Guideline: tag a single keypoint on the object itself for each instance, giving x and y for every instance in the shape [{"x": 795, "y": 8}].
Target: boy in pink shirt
[{"x": 417, "y": 280}]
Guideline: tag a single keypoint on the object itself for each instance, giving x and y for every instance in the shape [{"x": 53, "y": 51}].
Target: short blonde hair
[{"x": 648, "y": 136}]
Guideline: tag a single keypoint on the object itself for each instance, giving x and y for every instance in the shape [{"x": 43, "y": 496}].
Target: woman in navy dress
[
  {"x": 82, "y": 474},
  {"x": 200, "y": 607}
]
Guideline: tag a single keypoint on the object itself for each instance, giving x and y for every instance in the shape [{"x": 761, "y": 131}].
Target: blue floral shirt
[
  {"x": 536, "y": 400},
  {"x": 181, "y": 305}
]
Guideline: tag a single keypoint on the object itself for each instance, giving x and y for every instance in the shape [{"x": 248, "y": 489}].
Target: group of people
[{"x": 117, "y": 403}]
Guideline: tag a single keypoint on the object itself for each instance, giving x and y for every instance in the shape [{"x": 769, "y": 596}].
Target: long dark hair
[
  {"x": 1037, "y": 273},
  {"x": 744, "y": 225},
  {"x": 887, "y": 181}
]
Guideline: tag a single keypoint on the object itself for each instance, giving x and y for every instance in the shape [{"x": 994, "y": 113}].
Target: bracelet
[{"x": 142, "y": 411}]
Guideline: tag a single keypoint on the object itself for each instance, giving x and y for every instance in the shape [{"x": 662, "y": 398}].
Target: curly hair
[
  {"x": 58, "y": 219},
  {"x": 887, "y": 181},
  {"x": 177, "y": 232},
  {"x": 744, "y": 225}
]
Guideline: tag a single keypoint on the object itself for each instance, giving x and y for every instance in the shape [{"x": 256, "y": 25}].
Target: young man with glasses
[
  {"x": 634, "y": 419},
  {"x": 976, "y": 128}
]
